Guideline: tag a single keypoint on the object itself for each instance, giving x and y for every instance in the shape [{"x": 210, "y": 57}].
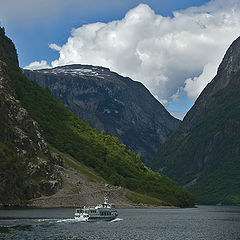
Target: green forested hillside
[
  {"x": 204, "y": 152},
  {"x": 111, "y": 160},
  {"x": 218, "y": 134},
  {"x": 221, "y": 183}
]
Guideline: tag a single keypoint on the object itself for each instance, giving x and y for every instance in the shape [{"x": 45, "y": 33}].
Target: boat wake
[
  {"x": 70, "y": 220},
  {"x": 67, "y": 220},
  {"x": 47, "y": 219},
  {"x": 73, "y": 220},
  {"x": 116, "y": 220}
]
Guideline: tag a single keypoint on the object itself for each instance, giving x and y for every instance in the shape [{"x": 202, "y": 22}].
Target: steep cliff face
[
  {"x": 204, "y": 152},
  {"x": 8, "y": 53},
  {"x": 110, "y": 102},
  {"x": 27, "y": 168}
]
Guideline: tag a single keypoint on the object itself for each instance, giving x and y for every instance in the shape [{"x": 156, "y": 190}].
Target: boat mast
[{"x": 105, "y": 200}]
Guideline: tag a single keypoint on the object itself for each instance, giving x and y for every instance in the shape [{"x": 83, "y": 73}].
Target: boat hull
[
  {"x": 101, "y": 218},
  {"x": 96, "y": 218}
]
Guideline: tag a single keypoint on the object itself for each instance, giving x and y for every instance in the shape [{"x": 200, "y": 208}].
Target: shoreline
[{"x": 140, "y": 206}]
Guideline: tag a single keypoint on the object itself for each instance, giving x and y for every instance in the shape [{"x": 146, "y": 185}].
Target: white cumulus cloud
[
  {"x": 55, "y": 47},
  {"x": 194, "y": 86},
  {"x": 37, "y": 65},
  {"x": 169, "y": 55}
]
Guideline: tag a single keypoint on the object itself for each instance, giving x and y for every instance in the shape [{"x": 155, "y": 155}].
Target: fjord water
[{"x": 203, "y": 222}]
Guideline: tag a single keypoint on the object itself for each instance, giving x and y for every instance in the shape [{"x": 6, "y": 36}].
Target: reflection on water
[{"x": 204, "y": 222}]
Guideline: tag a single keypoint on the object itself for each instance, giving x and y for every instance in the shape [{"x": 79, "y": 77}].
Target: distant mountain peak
[
  {"x": 78, "y": 70},
  {"x": 108, "y": 101}
]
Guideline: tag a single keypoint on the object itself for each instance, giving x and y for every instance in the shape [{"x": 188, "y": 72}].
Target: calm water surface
[{"x": 203, "y": 222}]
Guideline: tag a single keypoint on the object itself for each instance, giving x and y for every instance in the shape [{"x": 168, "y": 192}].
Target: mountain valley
[{"x": 45, "y": 150}]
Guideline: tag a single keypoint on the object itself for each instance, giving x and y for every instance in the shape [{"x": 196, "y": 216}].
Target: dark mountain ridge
[
  {"x": 110, "y": 102},
  {"x": 204, "y": 152}
]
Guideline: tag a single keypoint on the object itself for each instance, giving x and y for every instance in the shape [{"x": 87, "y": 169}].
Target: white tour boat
[{"x": 105, "y": 211}]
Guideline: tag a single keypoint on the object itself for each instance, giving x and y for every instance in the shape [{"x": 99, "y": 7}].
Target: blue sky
[
  {"x": 33, "y": 35},
  {"x": 34, "y": 25}
]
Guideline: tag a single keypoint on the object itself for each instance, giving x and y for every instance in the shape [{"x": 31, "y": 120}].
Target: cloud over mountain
[{"x": 169, "y": 55}]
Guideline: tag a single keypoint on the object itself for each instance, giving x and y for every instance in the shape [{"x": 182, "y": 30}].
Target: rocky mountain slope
[
  {"x": 204, "y": 152},
  {"x": 30, "y": 168},
  {"x": 82, "y": 187},
  {"x": 110, "y": 102}
]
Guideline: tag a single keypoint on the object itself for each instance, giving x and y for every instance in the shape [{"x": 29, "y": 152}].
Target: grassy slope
[{"x": 68, "y": 133}]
